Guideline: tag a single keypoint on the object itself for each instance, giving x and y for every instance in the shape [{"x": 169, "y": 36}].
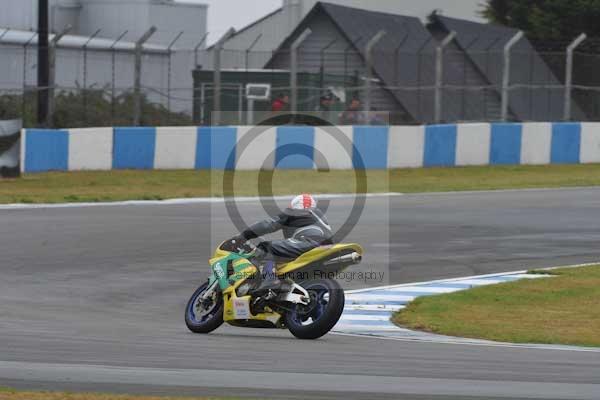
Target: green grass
[
  {"x": 562, "y": 309},
  {"x": 11, "y": 394},
  {"x": 58, "y": 187}
]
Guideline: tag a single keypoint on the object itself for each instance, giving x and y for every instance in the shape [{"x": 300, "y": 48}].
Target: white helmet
[{"x": 303, "y": 202}]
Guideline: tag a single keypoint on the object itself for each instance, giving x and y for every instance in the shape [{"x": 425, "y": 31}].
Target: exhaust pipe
[{"x": 352, "y": 258}]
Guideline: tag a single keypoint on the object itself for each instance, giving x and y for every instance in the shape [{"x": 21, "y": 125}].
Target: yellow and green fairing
[{"x": 244, "y": 269}]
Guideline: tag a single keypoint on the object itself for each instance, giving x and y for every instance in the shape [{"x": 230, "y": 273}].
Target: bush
[{"x": 90, "y": 108}]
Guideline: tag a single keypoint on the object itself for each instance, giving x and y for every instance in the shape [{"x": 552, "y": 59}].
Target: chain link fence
[{"x": 96, "y": 83}]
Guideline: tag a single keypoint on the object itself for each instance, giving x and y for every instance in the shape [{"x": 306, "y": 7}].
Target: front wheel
[
  {"x": 204, "y": 315},
  {"x": 323, "y": 312}
]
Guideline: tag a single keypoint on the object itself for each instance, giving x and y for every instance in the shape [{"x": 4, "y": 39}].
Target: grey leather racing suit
[{"x": 303, "y": 231}]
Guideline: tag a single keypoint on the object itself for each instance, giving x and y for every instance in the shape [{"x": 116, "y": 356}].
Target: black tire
[
  {"x": 329, "y": 317},
  {"x": 210, "y": 324}
]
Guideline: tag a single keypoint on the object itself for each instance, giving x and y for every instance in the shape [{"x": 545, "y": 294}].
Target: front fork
[{"x": 208, "y": 293}]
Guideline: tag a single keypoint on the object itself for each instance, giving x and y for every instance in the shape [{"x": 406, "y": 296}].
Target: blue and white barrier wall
[{"x": 297, "y": 147}]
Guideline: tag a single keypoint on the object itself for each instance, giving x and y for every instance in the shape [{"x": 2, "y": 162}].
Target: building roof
[
  {"x": 188, "y": 3},
  {"x": 21, "y": 38},
  {"x": 266, "y": 19},
  {"x": 406, "y": 33}
]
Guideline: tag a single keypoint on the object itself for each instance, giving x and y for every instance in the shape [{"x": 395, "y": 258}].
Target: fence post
[
  {"x": 487, "y": 51},
  {"x": 4, "y": 33},
  {"x": 2, "y": 37},
  {"x": 506, "y": 74},
  {"x": 197, "y": 48},
  {"x": 52, "y": 73},
  {"x": 137, "y": 87},
  {"x": 419, "y": 55},
  {"x": 218, "y": 50},
  {"x": 569, "y": 74},
  {"x": 369, "y": 78},
  {"x": 250, "y": 112},
  {"x": 322, "y": 68},
  {"x": 25, "y": 62},
  {"x": 346, "y": 50},
  {"x": 294, "y": 68},
  {"x": 169, "y": 68},
  {"x": 397, "y": 61},
  {"x": 113, "y": 76},
  {"x": 198, "y": 110},
  {"x": 439, "y": 74},
  {"x": 249, "y": 49},
  {"x": 85, "y": 73}
]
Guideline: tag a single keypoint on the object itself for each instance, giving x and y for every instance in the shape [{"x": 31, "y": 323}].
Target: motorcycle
[{"x": 309, "y": 304}]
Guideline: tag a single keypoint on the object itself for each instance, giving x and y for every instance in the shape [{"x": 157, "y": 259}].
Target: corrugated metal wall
[
  {"x": 174, "y": 18},
  {"x": 19, "y": 14},
  {"x": 114, "y": 19},
  {"x": 138, "y": 16}
]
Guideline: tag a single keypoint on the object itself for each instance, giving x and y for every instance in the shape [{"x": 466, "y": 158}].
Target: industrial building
[
  {"x": 105, "y": 62},
  {"x": 113, "y": 17}
]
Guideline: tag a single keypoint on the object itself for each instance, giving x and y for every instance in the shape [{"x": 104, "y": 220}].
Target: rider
[{"x": 304, "y": 227}]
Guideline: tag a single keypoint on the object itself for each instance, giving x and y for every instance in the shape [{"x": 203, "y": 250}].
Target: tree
[{"x": 546, "y": 19}]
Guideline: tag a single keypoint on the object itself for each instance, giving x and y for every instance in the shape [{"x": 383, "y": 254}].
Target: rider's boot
[{"x": 271, "y": 284}]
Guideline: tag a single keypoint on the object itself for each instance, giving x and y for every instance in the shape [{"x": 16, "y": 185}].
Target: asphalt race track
[{"x": 92, "y": 299}]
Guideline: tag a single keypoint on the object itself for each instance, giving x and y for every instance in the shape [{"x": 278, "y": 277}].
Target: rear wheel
[
  {"x": 204, "y": 315},
  {"x": 323, "y": 312}
]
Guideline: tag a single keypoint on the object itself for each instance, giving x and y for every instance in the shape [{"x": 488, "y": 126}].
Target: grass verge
[
  {"x": 11, "y": 394},
  {"x": 75, "y": 187},
  {"x": 563, "y": 309}
]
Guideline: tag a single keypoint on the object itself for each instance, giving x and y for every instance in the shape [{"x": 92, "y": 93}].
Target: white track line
[
  {"x": 373, "y": 307},
  {"x": 500, "y": 191},
  {"x": 371, "y": 329},
  {"x": 436, "y": 339},
  {"x": 350, "y": 324},
  {"x": 178, "y": 202},
  {"x": 416, "y": 289},
  {"x": 458, "y": 280},
  {"x": 358, "y": 298},
  {"x": 450, "y": 280},
  {"x": 365, "y": 317},
  {"x": 210, "y": 200}
]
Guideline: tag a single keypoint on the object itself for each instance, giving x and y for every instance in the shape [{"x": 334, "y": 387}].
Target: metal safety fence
[{"x": 107, "y": 82}]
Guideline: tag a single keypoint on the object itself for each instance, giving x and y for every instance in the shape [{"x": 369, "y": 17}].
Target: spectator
[
  {"x": 326, "y": 106},
  {"x": 326, "y": 103},
  {"x": 353, "y": 114},
  {"x": 281, "y": 103}
]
